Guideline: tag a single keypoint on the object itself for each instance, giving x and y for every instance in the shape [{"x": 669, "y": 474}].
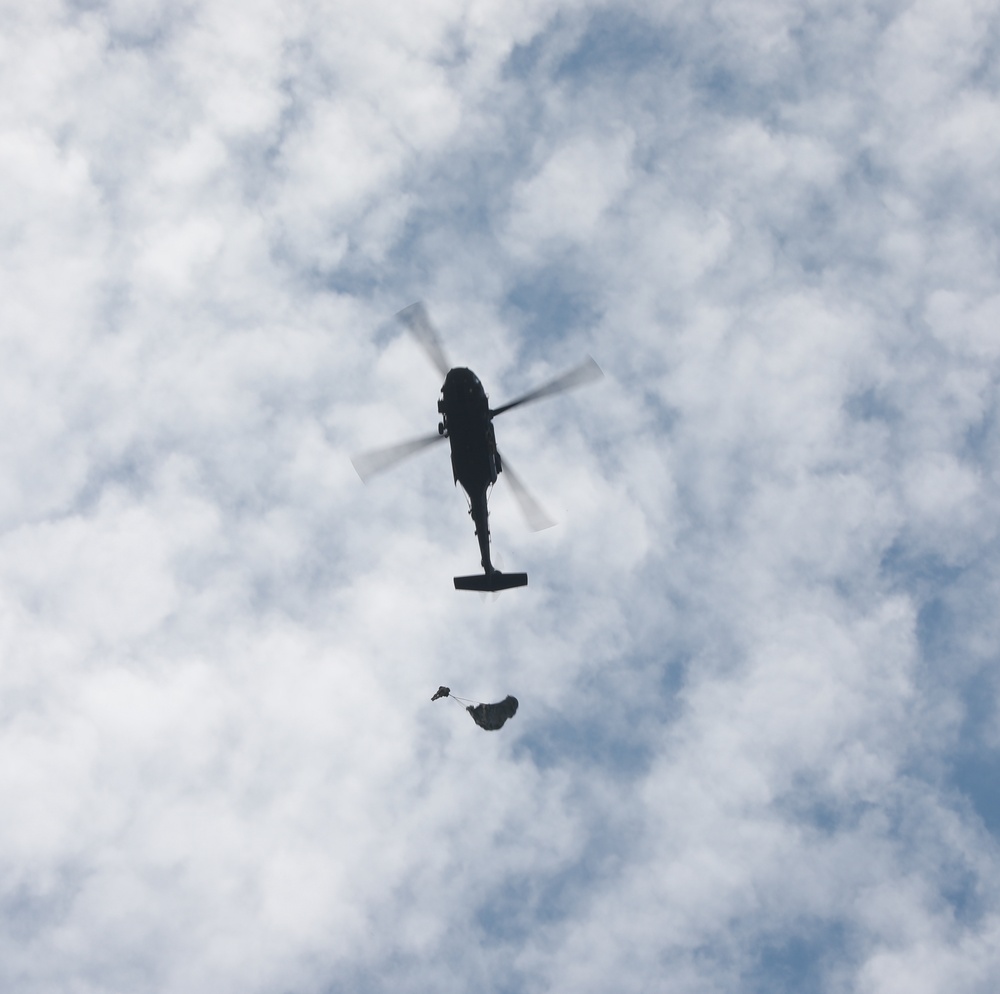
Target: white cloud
[
  {"x": 566, "y": 199},
  {"x": 753, "y": 651}
]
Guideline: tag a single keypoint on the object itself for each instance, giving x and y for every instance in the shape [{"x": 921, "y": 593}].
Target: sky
[{"x": 757, "y": 748}]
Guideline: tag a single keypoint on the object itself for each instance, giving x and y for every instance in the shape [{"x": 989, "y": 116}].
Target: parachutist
[{"x": 489, "y": 717}]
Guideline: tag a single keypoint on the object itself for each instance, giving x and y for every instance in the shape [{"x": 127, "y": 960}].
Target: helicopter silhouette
[{"x": 467, "y": 423}]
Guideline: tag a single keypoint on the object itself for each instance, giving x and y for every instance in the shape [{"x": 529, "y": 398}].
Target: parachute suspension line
[{"x": 463, "y": 701}]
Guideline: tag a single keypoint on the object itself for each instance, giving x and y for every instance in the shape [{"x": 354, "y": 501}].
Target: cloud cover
[{"x": 757, "y": 740}]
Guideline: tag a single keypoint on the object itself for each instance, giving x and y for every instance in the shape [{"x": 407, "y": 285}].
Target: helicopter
[{"x": 467, "y": 423}]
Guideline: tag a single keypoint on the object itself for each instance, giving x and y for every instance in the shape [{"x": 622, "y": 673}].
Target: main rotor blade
[
  {"x": 376, "y": 460},
  {"x": 416, "y": 319},
  {"x": 586, "y": 372},
  {"x": 534, "y": 513}
]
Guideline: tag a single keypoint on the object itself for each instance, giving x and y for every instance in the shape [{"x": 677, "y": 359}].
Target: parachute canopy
[{"x": 492, "y": 716}]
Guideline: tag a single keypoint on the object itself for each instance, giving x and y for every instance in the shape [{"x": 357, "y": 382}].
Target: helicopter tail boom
[{"x": 491, "y": 581}]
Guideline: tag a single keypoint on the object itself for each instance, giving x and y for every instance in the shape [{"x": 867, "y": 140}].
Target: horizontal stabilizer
[{"x": 491, "y": 581}]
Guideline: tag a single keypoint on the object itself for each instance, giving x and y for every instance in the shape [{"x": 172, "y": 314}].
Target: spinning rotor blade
[
  {"x": 576, "y": 377},
  {"x": 415, "y": 318},
  {"x": 376, "y": 460},
  {"x": 535, "y": 514}
]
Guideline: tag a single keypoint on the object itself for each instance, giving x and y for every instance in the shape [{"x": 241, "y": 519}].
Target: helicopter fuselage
[{"x": 467, "y": 422}]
